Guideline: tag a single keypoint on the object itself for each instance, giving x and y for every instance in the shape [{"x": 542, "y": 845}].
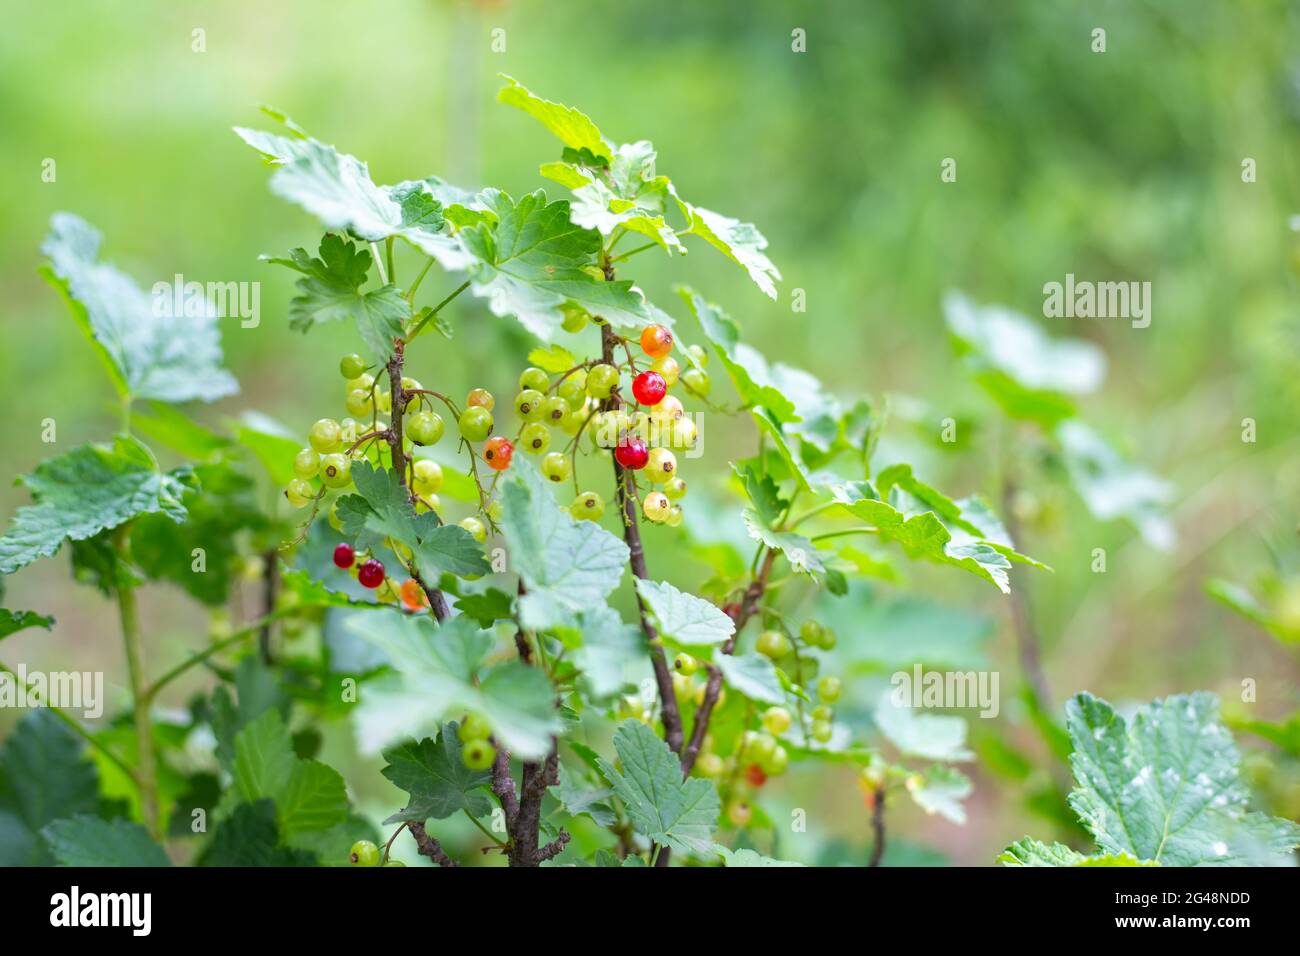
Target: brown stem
[
  {"x": 632, "y": 535},
  {"x": 524, "y": 849},
  {"x": 429, "y": 846},
  {"x": 878, "y": 827},
  {"x": 748, "y": 605},
  {"x": 400, "y": 460}
]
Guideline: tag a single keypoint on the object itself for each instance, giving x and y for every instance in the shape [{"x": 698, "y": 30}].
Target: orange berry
[
  {"x": 497, "y": 452},
  {"x": 413, "y": 596},
  {"x": 656, "y": 341}
]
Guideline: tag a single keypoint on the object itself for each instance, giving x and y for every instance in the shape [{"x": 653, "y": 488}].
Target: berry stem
[
  {"x": 632, "y": 535},
  {"x": 435, "y": 310},
  {"x": 146, "y": 767},
  {"x": 75, "y": 726},
  {"x": 430, "y": 847},
  {"x": 401, "y": 461},
  {"x": 748, "y": 605},
  {"x": 878, "y": 827}
]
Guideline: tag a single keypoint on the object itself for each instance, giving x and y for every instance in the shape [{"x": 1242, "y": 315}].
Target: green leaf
[
  {"x": 924, "y": 536},
  {"x": 337, "y": 189},
  {"x": 941, "y": 790},
  {"x": 748, "y": 369},
  {"x": 271, "y": 443},
  {"x": 529, "y": 264},
  {"x": 11, "y": 622},
  {"x": 1029, "y": 852},
  {"x": 617, "y": 186},
  {"x": 251, "y": 837},
  {"x": 794, "y": 463},
  {"x": 226, "y": 508},
  {"x": 308, "y": 795},
  {"x": 440, "y": 672},
  {"x": 264, "y": 758},
  {"x": 567, "y": 566},
  {"x": 798, "y": 550},
  {"x": 148, "y": 352},
  {"x": 741, "y": 242},
  {"x": 437, "y": 781},
  {"x": 579, "y": 798},
  {"x": 572, "y": 127},
  {"x": 330, "y": 290},
  {"x": 85, "y": 840},
  {"x": 172, "y": 428},
  {"x": 753, "y": 675},
  {"x": 685, "y": 618},
  {"x": 1167, "y": 786},
  {"x": 919, "y": 734},
  {"x": 1030, "y": 375},
  {"x": 554, "y": 359},
  {"x": 487, "y": 607},
  {"x": 88, "y": 490},
  {"x": 382, "y": 509},
  {"x": 747, "y": 857},
  {"x": 604, "y": 645},
  {"x": 970, "y": 520},
  {"x": 1114, "y": 488},
  {"x": 44, "y": 777},
  {"x": 762, "y": 492},
  {"x": 662, "y": 806}
]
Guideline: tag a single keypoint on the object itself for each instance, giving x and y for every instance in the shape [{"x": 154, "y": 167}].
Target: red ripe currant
[
  {"x": 371, "y": 574},
  {"x": 732, "y": 610},
  {"x": 754, "y": 774},
  {"x": 632, "y": 452},
  {"x": 649, "y": 388},
  {"x": 498, "y": 452},
  {"x": 656, "y": 341},
  {"x": 344, "y": 555}
]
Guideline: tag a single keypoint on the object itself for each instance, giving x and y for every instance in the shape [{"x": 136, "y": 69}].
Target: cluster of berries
[
  {"x": 758, "y": 753},
  {"x": 586, "y": 400}
]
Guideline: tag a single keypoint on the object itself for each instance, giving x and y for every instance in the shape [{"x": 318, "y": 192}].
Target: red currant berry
[
  {"x": 732, "y": 610},
  {"x": 649, "y": 388},
  {"x": 344, "y": 556},
  {"x": 754, "y": 774},
  {"x": 498, "y": 452},
  {"x": 632, "y": 452},
  {"x": 656, "y": 341},
  {"x": 371, "y": 574}
]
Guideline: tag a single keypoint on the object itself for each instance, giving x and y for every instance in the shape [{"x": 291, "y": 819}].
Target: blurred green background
[{"x": 1123, "y": 165}]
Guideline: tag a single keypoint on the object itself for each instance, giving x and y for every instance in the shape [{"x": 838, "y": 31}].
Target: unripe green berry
[
  {"x": 556, "y": 466},
  {"x": 776, "y": 720},
  {"x": 352, "y": 366},
  {"x": 773, "y": 644},
  {"x": 534, "y": 378},
  {"x": 306, "y": 463},
  {"x": 364, "y": 853},
  {"x": 475, "y": 423},
  {"x": 474, "y": 728},
  {"x": 335, "y": 471},
  {"x": 828, "y": 689},
  {"x": 535, "y": 438},
  {"x": 478, "y": 754},
  {"x": 324, "y": 436}
]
